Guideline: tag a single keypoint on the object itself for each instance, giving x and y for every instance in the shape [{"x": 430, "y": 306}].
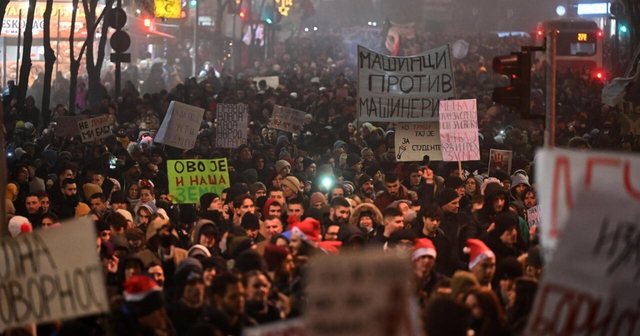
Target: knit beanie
[
  {"x": 274, "y": 255},
  {"x": 280, "y": 164},
  {"x": 446, "y": 196},
  {"x": 292, "y": 182},
  {"x": 249, "y": 260},
  {"x": 453, "y": 182},
  {"x": 126, "y": 214},
  {"x": 206, "y": 199},
  {"x": 90, "y": 189},
  {"x": 12, "y": 191},
  {"x": 250, "y": 222},
  {"x": 317, "y": 197},
  {"x": 142, "y": 295},
  {"x": 19, "y": 225},
  {"x": 504, "y": 221}
]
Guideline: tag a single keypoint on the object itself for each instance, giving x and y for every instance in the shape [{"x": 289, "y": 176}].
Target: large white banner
[
  {"x": 287, "y": 119},
  {"x": 180, "y": 125},
  {"x": 414, "y": 141},
  {"x": 562, "y": 175},
  {"x": 459, "y": 130},
  {"x": 591, "y": 285},
  {"x": 51, "y": 274},
  {"x": 403, "y": 89},
  {"x": 351, "y": 293},
  {"x": 232, "y": 125}
]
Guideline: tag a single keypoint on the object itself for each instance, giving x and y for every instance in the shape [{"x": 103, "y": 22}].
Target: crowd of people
[{"x": 238, "y": 259}]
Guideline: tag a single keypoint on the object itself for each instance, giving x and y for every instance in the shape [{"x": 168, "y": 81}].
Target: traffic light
[
  {"x": 270, "y": 15},
  {"x": 517, "y": 67}
]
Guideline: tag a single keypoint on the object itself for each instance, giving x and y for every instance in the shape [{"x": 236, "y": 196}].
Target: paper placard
[
  {"x": 591, "y": 285},
  {"x": 51, "y": 274},
  {"x": 272, "y": 81},
  {"x": 287, "y": 119},
  {"x": 459, "y": 130},
  {"x": 67, "y": 126},
  {"x": 500, "y": 160},
  {"x": 403, "y": 89},
  {"x": 190, "y": 179},
  {"x": 414, "y": 141},
  {"x": 292, "y": 327},
  {"x": 95, "y": 128},
  {"x": 562, "y": 175},
  {"x": 232, "y": 122},
  {"x": 340, "y": 300},
  {"x": 180, "y": 125},
  {"x": 533, "y": 216}
]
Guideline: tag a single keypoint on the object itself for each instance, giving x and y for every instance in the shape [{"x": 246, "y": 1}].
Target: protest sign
[
  {"x": 67, "y": 126},
  {"x": 190, "y": 179},
  {"x": 232, "y": 121},
  {"x": 403, "y": 89},
  {"x": 95, "y": 128},
  {"x": 272, "y": 81},
  {"x": 291, "y": 327},
  {"x": 414, "y": 141},
  {"x": 51, "y": 274},
  {"x": 287, "y": 119},
  {"x": 533, "y": 216},
  {"x": 340, "y": 300},
  {"x": 500, "y": 160},
  {"x": 561, "y": 175},
  {"x": 459, "y": 130},
  {"x": 591, "y": 285},
  {"x": 180, "y": 125}
]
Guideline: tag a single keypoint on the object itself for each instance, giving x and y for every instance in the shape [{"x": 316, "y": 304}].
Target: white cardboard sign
[
  {"x": 562, "y": 175},
  {"x": 180, "y": 125},
  {"x": 591, "y": 285},
  {"x": 415, "y": 140},
  {"x": 51, "y": 274},
  {"x": 459, "y": 130}
]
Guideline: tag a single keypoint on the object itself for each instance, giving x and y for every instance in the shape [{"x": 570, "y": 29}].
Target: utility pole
[
  {"x": 550, "y": 129},
  {"x": 195, "y": 40}
]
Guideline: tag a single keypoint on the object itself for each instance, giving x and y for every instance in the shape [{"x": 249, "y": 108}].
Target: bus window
[{"x": 576, "y": 44}]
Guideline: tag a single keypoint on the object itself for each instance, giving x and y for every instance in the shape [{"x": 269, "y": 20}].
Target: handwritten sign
[
  {"x": 500, "y": 160},
  {"x": 591, "y": 285},
  {"x": 232, "y": 122},
  {"x": 44, "y": 278},
  {"x": 561, "y": 175},
  {"x": 180, "y": 125},
  {"x": 292, "y": 327},
  {"x": 339, "y": 298},
  {"x": 67, "y": 126},
  {"x": 272, "y": 81},
  {"x": 533, "y": 216},
  {"x": 95, "y": 128},
  {"x": 414, "y": 141},
  {"x": 459, "y": 130},
  {"x": 190, "y": 179},
  {"x": 287, "y": 119},
  {"x": 403, "y": 89}
]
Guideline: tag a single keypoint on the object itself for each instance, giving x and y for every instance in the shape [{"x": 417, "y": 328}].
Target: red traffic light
[{"x": 517, "y": 67}]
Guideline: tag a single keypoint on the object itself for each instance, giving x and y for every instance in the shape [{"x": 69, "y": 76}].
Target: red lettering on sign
[
  {"x": 562, "y": 162},
  {"x": 592, "y": 162},
  {"x": 627, "y": 181}
]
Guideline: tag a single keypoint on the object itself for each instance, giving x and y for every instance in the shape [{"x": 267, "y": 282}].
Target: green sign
[{"x": 189, "y": 179}]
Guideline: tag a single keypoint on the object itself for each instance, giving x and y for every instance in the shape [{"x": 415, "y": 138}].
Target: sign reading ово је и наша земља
[{"x": 403, "y": 89}]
